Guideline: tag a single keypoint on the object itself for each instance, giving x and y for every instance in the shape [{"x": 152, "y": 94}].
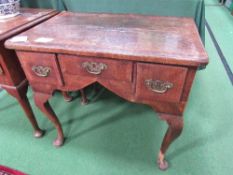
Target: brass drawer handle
[
  {"x": 158, "y": 86},
  {"x": 1, "y": 70},
  {"x": 41, "y": 71},
  {"x": 94, "y": 68}
]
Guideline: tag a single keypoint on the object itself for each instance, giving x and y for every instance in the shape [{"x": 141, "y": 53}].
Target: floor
[{"x": 113, "y": 137}]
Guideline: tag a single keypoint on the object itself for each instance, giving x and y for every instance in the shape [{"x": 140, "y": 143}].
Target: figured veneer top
[
  {"x": 168, "y": 40},
  {"x": 26, "y": 18}
]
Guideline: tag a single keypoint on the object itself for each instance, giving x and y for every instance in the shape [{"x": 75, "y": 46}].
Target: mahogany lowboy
[
  {"x": 12, "y": 77},
  {"x": 144, "y": 59}
]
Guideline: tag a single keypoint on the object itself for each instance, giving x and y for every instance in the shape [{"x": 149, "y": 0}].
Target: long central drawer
[{"x": 98, "y": 68}]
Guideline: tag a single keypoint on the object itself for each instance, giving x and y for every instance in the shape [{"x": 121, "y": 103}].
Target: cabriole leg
[
  {"x": 175, "y": 127},
  {"x": 21, "y": 96},
  {"x": 41, "y": 100}
]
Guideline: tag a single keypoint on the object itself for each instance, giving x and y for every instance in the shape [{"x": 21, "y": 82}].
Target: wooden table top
[
  {"x": 166, "y": 40},
  {"x": 28, "y": 17}
]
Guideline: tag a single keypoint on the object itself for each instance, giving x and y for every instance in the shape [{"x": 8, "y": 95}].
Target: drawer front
[
  {"x": 159, "y": 82},
  {"x": 96, "y": 67},
  {"x": 40, "y": 67}
]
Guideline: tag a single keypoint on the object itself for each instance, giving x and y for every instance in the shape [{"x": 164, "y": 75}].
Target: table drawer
[
  {"x": 160, "y": 82},
  {"x": 96, "y": 67},
  {"x": 40, "y": 67}
]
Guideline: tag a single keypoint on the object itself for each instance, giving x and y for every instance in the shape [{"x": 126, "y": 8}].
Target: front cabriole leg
[
  {"x": 41, "y": 100},
  {"x": 175, "y": 127}
]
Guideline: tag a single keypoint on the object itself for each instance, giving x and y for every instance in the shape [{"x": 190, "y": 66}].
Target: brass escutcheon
[
  {"x": 158, "y": 86},
  {"x": 41, "y": 71},
  {"x": 94, "y": 68}
]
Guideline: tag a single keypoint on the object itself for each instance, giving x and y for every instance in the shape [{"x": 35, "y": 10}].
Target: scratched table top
[
  {"x": 166, "y": 40},
  {"x": 26, "y": 18}
]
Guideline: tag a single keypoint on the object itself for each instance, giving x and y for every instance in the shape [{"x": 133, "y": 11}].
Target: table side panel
[{"x": 11, "y": 73}]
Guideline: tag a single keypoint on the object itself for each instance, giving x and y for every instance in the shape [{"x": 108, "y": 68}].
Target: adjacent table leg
[
  {"x": 20, "y": 93},
  {"x": 175, "y": 127},
  {"x": 41, "y": 100}
]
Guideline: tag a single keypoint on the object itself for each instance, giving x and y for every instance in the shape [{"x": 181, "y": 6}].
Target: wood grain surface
[{"x": 167, "y": 40}]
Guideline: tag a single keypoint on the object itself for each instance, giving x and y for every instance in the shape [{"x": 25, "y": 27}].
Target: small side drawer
[
  {"x": 160, "y": 82},
  {"x": 96, "y": 67},
  {"x": 40, "y": 67}
]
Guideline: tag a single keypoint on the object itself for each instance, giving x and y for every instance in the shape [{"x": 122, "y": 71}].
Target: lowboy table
[
  {"x": 12, "y": 77},
  {"x": 144, "y": 59}
]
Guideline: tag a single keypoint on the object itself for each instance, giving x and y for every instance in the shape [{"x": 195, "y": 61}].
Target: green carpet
[
  {"x": 113, "y": 137},
  {"x": 211, "y": 2},
  {"x": 222, "y": 29}
]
